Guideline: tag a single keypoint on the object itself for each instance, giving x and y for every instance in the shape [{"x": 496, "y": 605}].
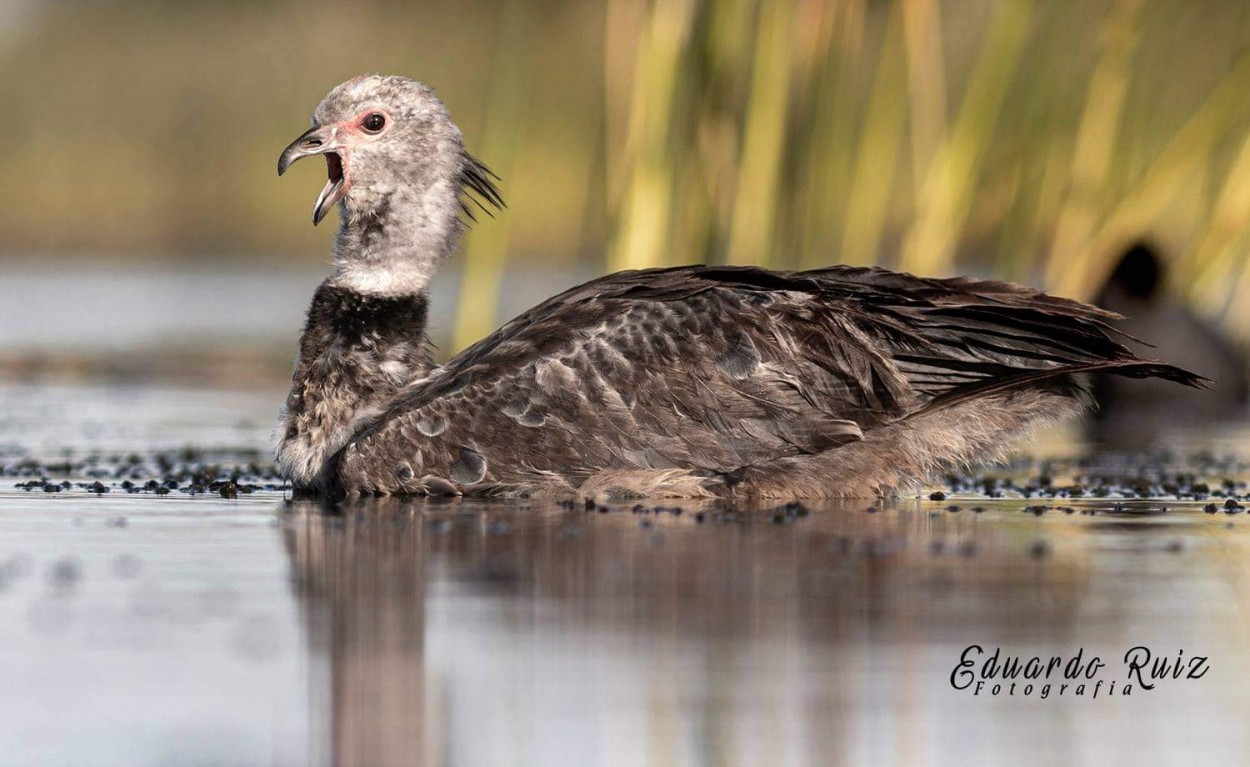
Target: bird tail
[{"x": 1130, "y": 368}]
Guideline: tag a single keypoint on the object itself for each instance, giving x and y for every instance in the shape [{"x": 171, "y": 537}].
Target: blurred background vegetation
[{"x": 1017, "y": 138}]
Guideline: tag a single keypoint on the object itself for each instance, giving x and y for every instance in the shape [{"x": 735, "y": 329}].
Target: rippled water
[{"x": 179, "y": 629}]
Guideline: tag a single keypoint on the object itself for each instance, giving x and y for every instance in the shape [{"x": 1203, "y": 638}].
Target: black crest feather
[{"x": 478, "y": 188}]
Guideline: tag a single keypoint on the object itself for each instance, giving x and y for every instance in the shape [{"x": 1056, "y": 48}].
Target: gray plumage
[{"x": 683, "y": 381}]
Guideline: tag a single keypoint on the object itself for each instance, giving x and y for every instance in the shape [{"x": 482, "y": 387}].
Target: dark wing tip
[{"x": 1151, "y": 369}]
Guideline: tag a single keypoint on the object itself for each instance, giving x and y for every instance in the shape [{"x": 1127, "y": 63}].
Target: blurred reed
[
  {"x": 1065, "y": 145},
  {"x": 642, "y": 235},
  {"x": 1015, "y": 138},
  {"x": 1096, "y": 135},
  {"x": 758, "y": 186},
  {"x": 503, "y": 132},
  {"x": 947, "y": 194},
  {"x": 876, "y": 158}
]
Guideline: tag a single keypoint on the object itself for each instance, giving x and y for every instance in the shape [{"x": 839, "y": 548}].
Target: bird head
[{"x": 382, "y": 136}]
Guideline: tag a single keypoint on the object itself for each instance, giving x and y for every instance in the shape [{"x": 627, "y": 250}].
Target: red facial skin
[{"x": 351, "y": 132}]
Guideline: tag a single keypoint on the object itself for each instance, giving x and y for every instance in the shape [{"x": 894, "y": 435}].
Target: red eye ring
[{"x": 374, "y": 122}]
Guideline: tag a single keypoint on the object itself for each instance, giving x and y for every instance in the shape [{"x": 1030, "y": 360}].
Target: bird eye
[{"x": 374, "y": 123}]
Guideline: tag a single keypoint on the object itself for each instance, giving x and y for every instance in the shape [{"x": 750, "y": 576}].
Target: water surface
[{"x": 193, "y": 629}]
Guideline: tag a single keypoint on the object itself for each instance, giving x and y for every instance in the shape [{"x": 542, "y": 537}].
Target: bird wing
[
  {"x": 716, "y": 368},
  {"x": 959, "y": 338},
  {"x": 639, "y": 370}
]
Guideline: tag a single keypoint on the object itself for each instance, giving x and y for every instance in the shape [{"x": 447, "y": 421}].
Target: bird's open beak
[{"x": 321, "y": 141}]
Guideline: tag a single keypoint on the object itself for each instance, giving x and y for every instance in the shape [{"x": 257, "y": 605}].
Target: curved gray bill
[{"x": 313, "y": 142}]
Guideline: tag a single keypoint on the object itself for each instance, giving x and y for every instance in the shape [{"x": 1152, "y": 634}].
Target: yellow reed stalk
[
  {"x": 950, "y": 184},
  {"x": 1237, "y": 315},
  {"x": 485, "y": 248},
  {"x": 622, "y": 23},
  {"x": 1223, "y": 107},
  {"x": 813, "y": 36},
  {"x": 831, "y": 160},
  {"x": 1019, "y": 248},
  {"x": 926, "y": 81},
  {"x": 759, "y": 175},
  {"x": 814, "y": 29},
  {"x": 1213, "y": 261},
  {"x": 1096, "y": 138},
  {"x": 877, "y": 157},
  {"x": 709, "y": 146},
  {"x": 641, "y": 236}
]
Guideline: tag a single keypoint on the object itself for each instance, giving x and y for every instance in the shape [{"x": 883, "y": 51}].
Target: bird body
[{"x": 685, "y": 381}]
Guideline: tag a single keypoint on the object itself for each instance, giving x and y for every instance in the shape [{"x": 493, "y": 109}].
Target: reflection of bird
[
  {"x": 361, "y": 589},
  {"x": 681, "y": 381},
  {"x": 1130, "y": 411}
]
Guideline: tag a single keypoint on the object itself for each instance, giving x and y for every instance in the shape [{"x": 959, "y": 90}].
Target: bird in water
[
  {"x": 704, "y": 381},
  {"x": 1138, "y": 287}
]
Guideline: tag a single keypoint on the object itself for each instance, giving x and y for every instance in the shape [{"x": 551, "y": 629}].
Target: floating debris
[{"x": 64, "y": 574}]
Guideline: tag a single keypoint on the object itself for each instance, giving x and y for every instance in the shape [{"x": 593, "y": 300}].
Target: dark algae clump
[{"x": 224, "y": 474}]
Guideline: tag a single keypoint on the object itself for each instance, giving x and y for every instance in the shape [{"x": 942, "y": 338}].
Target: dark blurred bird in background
[{"x": 1133, "y": 412}]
